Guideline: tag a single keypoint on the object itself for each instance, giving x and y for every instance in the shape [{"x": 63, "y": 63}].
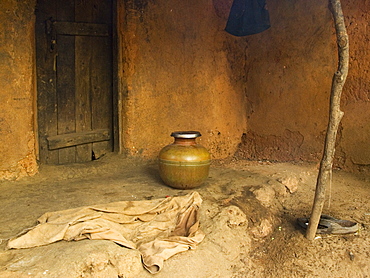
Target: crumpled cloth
[{"x": 158, "y": 228}]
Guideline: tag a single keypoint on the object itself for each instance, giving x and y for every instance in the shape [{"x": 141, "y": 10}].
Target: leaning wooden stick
[{"x": 335, "y": 116}]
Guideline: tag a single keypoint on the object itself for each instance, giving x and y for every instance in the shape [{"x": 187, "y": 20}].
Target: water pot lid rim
[{"x": 186, "y": 134}]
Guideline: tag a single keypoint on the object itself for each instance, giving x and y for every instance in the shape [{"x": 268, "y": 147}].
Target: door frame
[
  {"x": 116, "y": 88},
  {"x": 117, "y": 92}
]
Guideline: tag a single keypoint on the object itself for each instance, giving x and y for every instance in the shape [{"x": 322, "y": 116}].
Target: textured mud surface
[{"x": 248, "y": 213}]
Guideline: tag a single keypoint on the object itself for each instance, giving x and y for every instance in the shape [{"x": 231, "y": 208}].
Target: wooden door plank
[
  {"x": 66, "y": 10},
  {"x": 103, "y": 12},
  {"x": 102, "y": 103},
  {"x": 46, "y": 81},
  {"x": 66, "y": 93},
  {"x": 83, "y": 13},
  {"x": 81, "y": 29},
  {"x": 102, "y": 78},
  {"x": 66, "y": 80},
  {"x": 78, "y": 138},
  {"x": 83, "y": 99}
]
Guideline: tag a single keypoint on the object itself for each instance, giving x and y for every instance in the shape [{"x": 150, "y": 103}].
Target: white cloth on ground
[{"x": 158, "y": 228}]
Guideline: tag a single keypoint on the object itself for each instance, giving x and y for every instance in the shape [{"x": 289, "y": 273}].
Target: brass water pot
[{"x": 184, "y": 164}]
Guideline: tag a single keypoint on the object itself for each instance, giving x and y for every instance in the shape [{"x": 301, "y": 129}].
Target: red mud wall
[
  {"x": 17, "y": 148},
  {"x": 289, "y": 73},
  {"x": 180, "y": 71}
]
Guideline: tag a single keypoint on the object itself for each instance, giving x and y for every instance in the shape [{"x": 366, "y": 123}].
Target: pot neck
[{"x": 185, "y": 141}]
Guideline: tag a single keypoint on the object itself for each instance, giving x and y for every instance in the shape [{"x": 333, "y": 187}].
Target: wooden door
[{"x": 74, "y": 79}]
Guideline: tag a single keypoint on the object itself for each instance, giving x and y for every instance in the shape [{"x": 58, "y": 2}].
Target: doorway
[{"x": 75, "y": 90}]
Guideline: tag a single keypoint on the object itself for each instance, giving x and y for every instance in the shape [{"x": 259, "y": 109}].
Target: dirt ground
[{"x": 248, "y": 214}]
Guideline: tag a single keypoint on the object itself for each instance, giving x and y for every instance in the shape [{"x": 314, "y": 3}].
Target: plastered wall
[
  {"x": 181, "y": 71},
  {"x": 264, "y": 96},
  {"x": 17, "y": 89},
  {"x": 289, "y": 73},
  {"x": 354, "y": 140}
]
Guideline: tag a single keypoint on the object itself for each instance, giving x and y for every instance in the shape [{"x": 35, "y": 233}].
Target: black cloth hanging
[{"x": 248, "y": 17}]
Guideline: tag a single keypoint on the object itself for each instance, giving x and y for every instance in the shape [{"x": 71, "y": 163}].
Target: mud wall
[
  {"x": 180, "y": 71},
  {"x": 17, "y": 148},
  {"x": 354, "y": 140},
  {"x": 289, "y": 73}
]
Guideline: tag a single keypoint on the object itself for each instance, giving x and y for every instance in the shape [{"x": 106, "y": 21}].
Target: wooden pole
[{"x": 335, "y": 116}]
